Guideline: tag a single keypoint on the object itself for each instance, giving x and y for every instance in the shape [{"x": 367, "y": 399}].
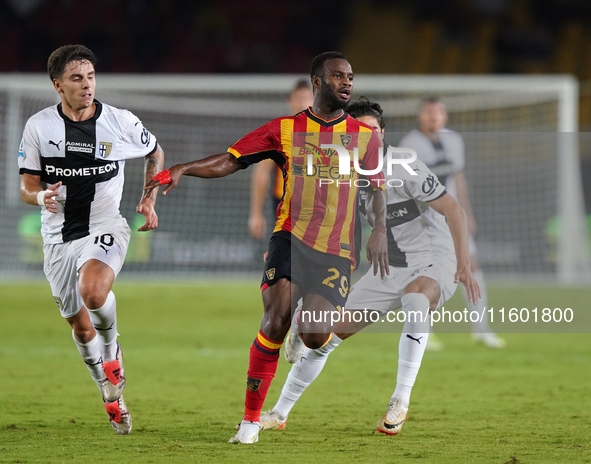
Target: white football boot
[
  {"x": 271, "y": 420},
  {"x": 393, "y": 420},
  {"x": 248, "y": 433}
]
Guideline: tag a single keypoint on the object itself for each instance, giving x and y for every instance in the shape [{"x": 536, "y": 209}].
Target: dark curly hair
[{"x": 363, "y": 107}]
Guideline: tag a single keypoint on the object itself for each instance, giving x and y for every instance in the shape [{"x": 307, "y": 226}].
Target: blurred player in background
[
  {"x": 442, "y": 150},
  {"x": 71, "y": 162},
  {"x": 311, "y": 249},
  {"x": 428, "y": 255},
  {"x": 301, "y": 97}
]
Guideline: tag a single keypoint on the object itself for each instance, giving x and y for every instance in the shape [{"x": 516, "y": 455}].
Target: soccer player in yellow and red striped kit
[{"x": 311, "y": 250}]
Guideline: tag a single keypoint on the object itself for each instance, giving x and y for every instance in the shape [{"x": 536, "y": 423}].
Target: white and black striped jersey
[
  {"x": 417, "y": 234},
  {"x": 444, "y": 157},
  {"x": 88, "y": 157}
]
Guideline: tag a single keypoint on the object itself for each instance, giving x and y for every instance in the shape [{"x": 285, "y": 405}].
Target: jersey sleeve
[
  {"x": 371, "y": 161},
  {"x": 29, "y": 157},
  {"x": 137, "y": 141},
  {"x": 425, "y": 186},
  {"x": 260, "y": 144}
]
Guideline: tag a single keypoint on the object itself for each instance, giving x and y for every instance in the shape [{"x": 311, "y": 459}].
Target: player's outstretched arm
[
  {"x": 211, "y": 167},
  {"x": 152, "y": 165},
  {"x": 377, "y": 245},
  {"x": 458, "y": 226},
  {"x": 33, "y": 194}
]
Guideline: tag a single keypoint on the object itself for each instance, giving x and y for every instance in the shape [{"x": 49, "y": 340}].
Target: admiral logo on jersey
[{"x": 80, "y": 147}]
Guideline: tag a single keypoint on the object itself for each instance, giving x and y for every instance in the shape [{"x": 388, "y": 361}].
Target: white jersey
[
  {"x": 88, "y": 157},
  {"x": 417, "y": 234},
  {"x": 445, "y": 157}
]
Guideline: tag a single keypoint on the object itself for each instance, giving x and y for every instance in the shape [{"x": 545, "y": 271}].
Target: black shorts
[{"x": 312, "y": 271}]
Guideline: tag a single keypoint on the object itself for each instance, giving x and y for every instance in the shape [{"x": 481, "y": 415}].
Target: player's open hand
[
  {"x": 465, "y": 276},
  {"x": 146, "y": 207},
  {"x": 49, "y": 199},
  {"x": 377, "y": 252},
  {"x": 170, "y": 176}
]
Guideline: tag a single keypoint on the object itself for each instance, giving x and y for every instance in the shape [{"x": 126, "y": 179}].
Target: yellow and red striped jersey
[{"x": 318, "y": 206}]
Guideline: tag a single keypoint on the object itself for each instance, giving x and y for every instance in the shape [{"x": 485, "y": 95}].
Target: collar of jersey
[
  {"x": 324, "y": 122},
  {"x": 95, "y": 116}
]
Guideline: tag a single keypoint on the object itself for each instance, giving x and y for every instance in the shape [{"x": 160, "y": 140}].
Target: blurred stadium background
[{"x": 514, "y": 76}]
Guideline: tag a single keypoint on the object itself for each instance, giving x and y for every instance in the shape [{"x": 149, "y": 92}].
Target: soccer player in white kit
[
  {"x": 71, "y": 162},
  {"x": 427, "y": 259},
  {"x": 442, "y": 150}
]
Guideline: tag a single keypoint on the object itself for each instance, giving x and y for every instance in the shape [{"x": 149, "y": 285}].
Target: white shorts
[
  {"x": 107, "y": 243},
  {"x": 373, "y": 293}
]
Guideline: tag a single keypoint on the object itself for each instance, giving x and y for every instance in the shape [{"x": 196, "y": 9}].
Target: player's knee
[
  {"x": 93, "y": 295},
  {"x": 315, "y": 340}
]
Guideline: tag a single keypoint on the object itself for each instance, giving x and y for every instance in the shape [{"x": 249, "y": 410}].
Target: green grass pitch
[{"x": 186, "y": 354}]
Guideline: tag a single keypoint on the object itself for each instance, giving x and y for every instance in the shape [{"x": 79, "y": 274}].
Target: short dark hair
[
  {"x": 363, "y": 107},
  {"x": 317, "y": 66},
  {"x": 59, "y": 59}
]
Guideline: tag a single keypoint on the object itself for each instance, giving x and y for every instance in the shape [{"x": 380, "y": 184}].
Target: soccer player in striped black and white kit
[
  {"x": 71, "y": 162},
  {"x": 442, "y": 150}
]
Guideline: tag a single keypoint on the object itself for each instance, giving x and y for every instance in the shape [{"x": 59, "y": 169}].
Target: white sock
[
  {"x": 91, "y": 355},
  {"x": 479, "y": 308},
  {"x": 413, "y": 340},
  {"x": 303, "y": 374},
  {"x": 104, "y": 320}
]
